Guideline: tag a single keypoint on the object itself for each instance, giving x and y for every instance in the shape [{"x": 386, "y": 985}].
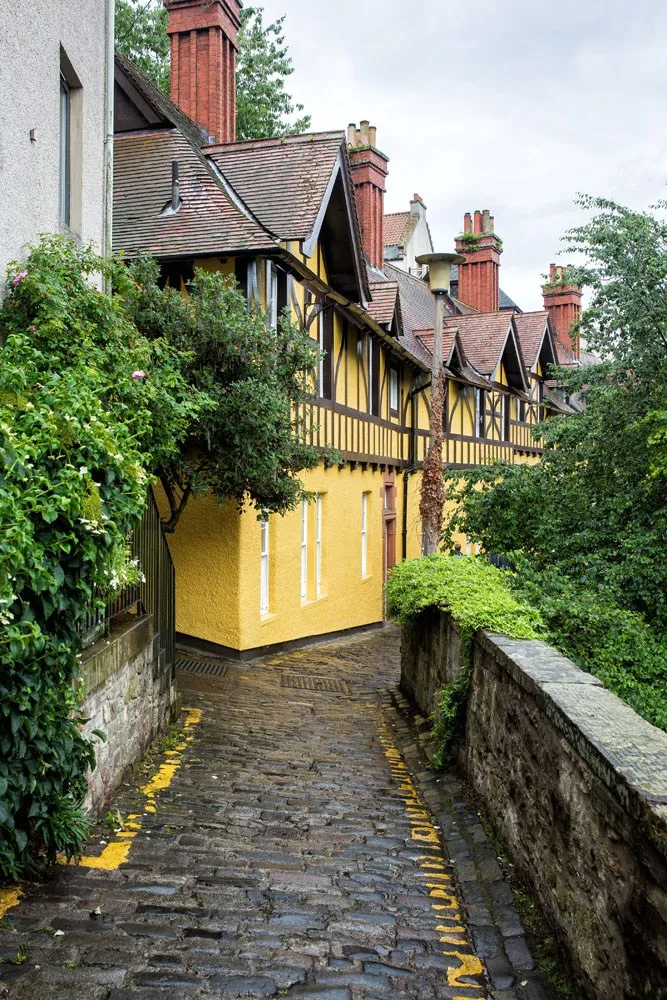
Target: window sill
[
  {"x": 314, "y": 600},
  {"x": 267, "y": 618},
  {"x": 367, "y": 579}
]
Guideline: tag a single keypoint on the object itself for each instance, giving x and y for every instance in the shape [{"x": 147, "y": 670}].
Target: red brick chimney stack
[
  {"x": 369, "y": 173},
  {"x": 563, "y": 303},
  {"x": 479, "y": 277},
  {"x": 204, "y": 42}
]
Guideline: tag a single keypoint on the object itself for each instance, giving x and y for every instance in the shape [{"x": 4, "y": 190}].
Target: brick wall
[
  {"x": 575, "y": 785},
  {"x": 130, "y": 696}
]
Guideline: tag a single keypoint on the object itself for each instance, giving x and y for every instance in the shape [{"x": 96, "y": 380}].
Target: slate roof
[
  {"x": 483, "y": 336},
  {"x": 382, "y": 307},
  {"x": 283, "y": 181},
  {"x": 395, "y": 228},
  {"x": 417, "y": 300},
  {"x": 530, "y": 329},
  {"x": 208, "y": 221}
]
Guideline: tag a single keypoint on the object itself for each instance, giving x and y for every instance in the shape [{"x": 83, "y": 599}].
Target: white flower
[{"x": 83, "y": 471}]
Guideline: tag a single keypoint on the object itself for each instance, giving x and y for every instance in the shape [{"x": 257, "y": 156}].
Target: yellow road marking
[
  {"x": 9, "y": 898},
  {"x": 433, "y": 866},
  {"x": 117, "y": 852}
]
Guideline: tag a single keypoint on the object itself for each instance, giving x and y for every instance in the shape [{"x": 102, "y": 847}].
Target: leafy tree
[
  {"x": 588, "y": 525},
  {"x": 244, "y": 443},
  {"x": 264, "y": 107},
  {"x": 141, "y": 35}
]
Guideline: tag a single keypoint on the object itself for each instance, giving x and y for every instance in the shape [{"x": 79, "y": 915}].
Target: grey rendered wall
[{"x": 31, "y": 35}]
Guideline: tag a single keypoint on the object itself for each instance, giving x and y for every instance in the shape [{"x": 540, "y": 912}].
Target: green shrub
[
  {"x": 477, "y": 596},
  {"x": 77, "y": 431},
  {"x": 615, "y": 644},
  {"x": 474, "y": 593}
]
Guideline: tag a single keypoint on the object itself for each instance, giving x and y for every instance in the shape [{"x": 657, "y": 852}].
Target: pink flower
[
  {"x": 33, "y": 329},
  {"x": 19, "y": 278},
  {"x": 137, "y": 376}
]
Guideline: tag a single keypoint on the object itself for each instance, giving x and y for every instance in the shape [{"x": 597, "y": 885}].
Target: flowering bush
[{"x": 76, "y": 436}]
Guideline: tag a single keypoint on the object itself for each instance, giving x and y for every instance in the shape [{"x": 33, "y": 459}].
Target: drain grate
[
  {"x": 210, "y": 668},
  {"x": 308, "y": 682}
]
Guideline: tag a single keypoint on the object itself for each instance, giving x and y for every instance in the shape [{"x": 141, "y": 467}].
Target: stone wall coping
[
  {"x": 109, "y": 654},
  {"x": 626, "y": 752}
]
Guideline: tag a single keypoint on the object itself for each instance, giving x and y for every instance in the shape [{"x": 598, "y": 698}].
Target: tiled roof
[
  {"x": 530, "y": 329},
  {"x": 208, "y": 221},
  {"x": 383, "y": 304},
  {"x": 283, "y": 181},
  {"x": 425, "y": 337},
  {"x": 483, "y": 336},
  {"x": 163, "y": 104},
  {"x": 395, "y": 226}
]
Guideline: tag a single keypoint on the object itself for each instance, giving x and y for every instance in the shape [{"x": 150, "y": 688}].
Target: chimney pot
[
  {"x": 204, "y": 42},
  {"x": 369, "y": 173},
  {"x": 479, "y": 276},
  {"x": 352, "y": 133}
]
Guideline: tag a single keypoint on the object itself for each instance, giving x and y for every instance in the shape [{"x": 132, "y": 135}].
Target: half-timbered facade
[{"x": 297, "y": 221}]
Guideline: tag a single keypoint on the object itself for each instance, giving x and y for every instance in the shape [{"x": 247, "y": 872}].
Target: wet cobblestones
[{"x": 295, "y": 852}]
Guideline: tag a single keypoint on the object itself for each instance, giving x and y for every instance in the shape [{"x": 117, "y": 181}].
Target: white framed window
[
  {"x": 480, "y": 415},
  {"x": 364, "y": 534},
  {"x": 304, "y": 550},
  {"x": 318, "y": 545},
  {"x": 393, "y": 390},
  {"x": 264, "y": 567},
  {"x": 272, "y": 294},
  {"x": 371, "y": 375},
  {"x": 320, "y": 344}
]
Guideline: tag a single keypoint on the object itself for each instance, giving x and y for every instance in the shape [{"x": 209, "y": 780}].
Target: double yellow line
[{"x": 444, "y": 903}]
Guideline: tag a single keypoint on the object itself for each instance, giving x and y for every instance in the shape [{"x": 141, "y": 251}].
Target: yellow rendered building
[{"x": 298, "y": 222}]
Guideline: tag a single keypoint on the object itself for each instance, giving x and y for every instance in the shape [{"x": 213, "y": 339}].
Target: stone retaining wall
[
  {"x": 575, "y": 784},
  {"x": 130, "y": 696}
]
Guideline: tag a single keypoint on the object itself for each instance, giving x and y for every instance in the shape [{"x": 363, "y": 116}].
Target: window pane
[{"x": 65, "y": 122}]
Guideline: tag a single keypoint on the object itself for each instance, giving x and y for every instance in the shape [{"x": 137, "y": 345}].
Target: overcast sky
[{"x": 510, "y": 105}]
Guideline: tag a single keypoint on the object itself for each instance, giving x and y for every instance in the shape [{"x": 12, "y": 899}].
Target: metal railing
[{"x": 155, "y": 596}]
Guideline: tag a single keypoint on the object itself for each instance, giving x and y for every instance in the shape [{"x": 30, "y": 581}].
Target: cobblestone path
[{"x": 290, "y": 845}]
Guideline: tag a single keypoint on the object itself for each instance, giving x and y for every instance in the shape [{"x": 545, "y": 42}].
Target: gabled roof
[
  {"x": 455, "y": 360},
  {"x": 383, "y": 304},
  {"x": 535, "y": 337},
  {"x": 283, "y": 180},
  {"x": 140, "y": 104},
  {"x": 208, "y": 221},
  {"x": 300, "y": 187},
  {"x": 397, "y": 226},
  {"x": 488, "y": 339}
]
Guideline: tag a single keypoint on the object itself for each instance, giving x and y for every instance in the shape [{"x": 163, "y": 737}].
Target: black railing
[{"x": 154, "y": 596}]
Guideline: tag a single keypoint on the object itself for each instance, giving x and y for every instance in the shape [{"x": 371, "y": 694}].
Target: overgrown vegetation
[
  {"x": 264, "y": 107},
  {"x": 587, "y": 527},
  {"x": 246, "y": 380},
  {"x": 477, "y": 596},
  {"x": 98, "y": 394}
]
